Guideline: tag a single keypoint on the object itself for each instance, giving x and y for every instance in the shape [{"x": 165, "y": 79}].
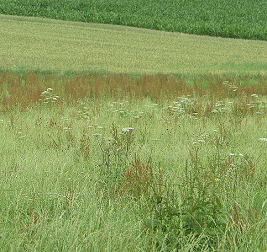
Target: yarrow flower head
[
  {"x": 97, "y": 134},
  {"x": 48, "y": 96},
  {"x": 240, "y": 154},
  {"x": 125, "y": 130},
  {"x": 45, "y": 93}
]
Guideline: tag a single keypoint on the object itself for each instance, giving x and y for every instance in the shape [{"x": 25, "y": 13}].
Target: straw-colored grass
[{"x": 34, "y": 44}]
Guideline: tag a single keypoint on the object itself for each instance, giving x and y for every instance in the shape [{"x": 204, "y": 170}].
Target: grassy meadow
[
  {"x": 41, "y": 45},
  {"x": 116, "y": 163},
  {"x": 117, "y": 138}
]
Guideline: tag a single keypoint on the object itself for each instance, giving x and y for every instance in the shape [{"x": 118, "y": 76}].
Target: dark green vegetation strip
[{"x": 245, "y": 19}]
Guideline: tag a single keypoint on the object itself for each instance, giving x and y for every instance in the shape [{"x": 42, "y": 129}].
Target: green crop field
[
  {"x": 118, "y": 138},
  {"x": 225, "y": 18}
]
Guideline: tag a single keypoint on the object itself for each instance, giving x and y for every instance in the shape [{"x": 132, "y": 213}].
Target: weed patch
[{"x": 147, "y": 163}]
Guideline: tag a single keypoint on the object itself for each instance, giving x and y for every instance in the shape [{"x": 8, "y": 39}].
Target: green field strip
[{"x": 36, "y": 44}]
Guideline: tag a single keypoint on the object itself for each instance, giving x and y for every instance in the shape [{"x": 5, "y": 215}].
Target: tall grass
[
  {"x": 224, "y": 18},
  {"x": 21, "y": 91},
  {"x": 88, "y": 165}
]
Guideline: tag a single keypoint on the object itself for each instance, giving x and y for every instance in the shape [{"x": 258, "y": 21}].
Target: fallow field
[{"x": 117, "y": 138}]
